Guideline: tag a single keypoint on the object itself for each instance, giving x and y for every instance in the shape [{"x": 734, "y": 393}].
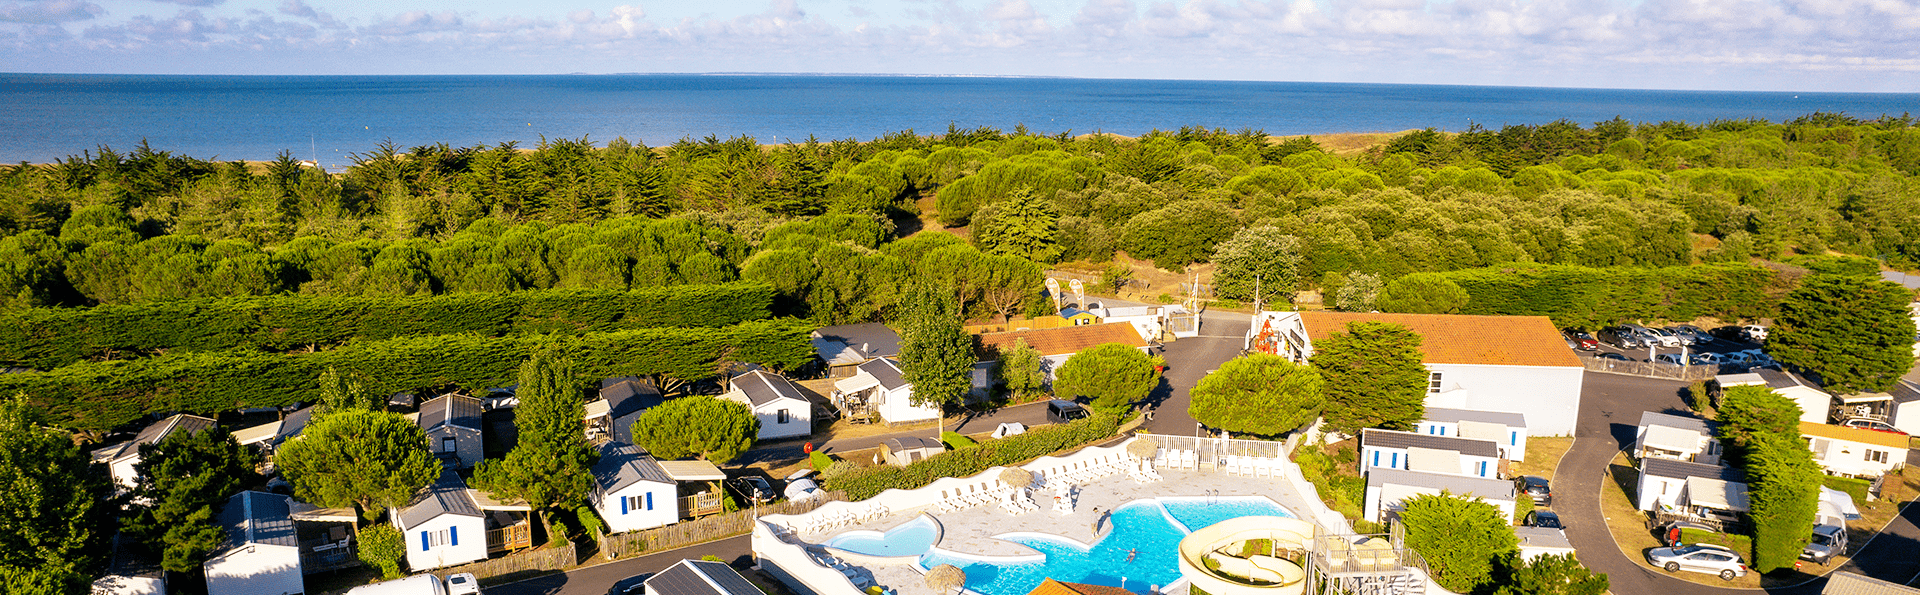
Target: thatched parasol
[
  {"x": 946, "y": 576},
  {"x": 1016, "y": 477},
  {"x": 1142, "y": 448}
]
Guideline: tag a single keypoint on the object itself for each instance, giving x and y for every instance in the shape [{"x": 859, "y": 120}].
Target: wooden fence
[
  {"x": 702, "y": 530},
  {"x": 522, "y": 563},
  {"x": 1650, "y": 369}
]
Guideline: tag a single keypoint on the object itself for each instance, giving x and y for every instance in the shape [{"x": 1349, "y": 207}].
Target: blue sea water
[{"x": 50, "y": 116}]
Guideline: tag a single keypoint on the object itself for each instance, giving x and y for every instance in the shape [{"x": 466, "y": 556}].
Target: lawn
[{"x": 1543, "y": 456}]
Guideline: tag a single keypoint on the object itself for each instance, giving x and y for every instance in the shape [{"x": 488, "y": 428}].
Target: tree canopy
[
  {"x": 1373, "y": 376},
  {"x": 1261, "y": 394},
  {"x": 936, "y": 354},
  {"x": 56, "y": 513},
  {"x": 1113, "y": 375},
  {"x": 1549, "y": 575},
  {"x": 373, "y": 460},
  {"x": 1422, "y": 293},
  {"x": 182, "y": 481},
  {"x": 707, "y": 427},
  {"x": 1259, "y": 258},
  {"x": 1463, "y": 540},
  {"x": 1856, "y": 333},
  {"x": 1784, "y": 498},
  {"x": 1021, "y": 370},
  {"x": 1749, "y": 411},
  {"x": 549, "y": 466}
]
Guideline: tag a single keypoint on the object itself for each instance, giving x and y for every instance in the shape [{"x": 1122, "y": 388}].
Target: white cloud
[{"x": 49, "y": 11}]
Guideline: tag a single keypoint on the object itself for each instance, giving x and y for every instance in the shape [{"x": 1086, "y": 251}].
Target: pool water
[
  {"x": 911, "y": 538},
  {"x": 1148, "y": 531}
]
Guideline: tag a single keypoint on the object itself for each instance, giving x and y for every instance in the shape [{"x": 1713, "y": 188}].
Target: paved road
[
  {"x": 1223, "y": 335},
  {"x": 613, "y": 576},
  {"x": 1610, "y": 407}
]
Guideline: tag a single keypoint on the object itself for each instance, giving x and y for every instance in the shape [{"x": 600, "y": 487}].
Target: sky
[{"x": 1761, "y": 45}]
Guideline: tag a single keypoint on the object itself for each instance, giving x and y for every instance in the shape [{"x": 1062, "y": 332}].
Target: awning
[
  {"x": 301, "y": 511},
  {"x": 1865, "y": 398},
  {"x": 1713, "y": 493},
  {"x": 1484, "y": 430},
  {"x": 1837, "y": 503},
  {"x": 1672, "y": 439},
  {"x": 1433, "y": 460},
  {"x": 692, "y": 471},
  {"x": 856, "y": 383},
  {"x": 257, "y": 434},
  {"x": 486, "y": 502},
  {"x": 599, "y": 408}
]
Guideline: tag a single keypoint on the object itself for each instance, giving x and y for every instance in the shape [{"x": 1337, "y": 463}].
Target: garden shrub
[
  {"x": 956, "y": 441},
  {"x": 866, "y": 482}
]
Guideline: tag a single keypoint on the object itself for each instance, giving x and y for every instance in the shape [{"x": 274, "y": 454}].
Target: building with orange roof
[
  {"x": 1513, "y": 364},
  {"x": 1053, "y": 587},
  {"x": 1855, "y": 452},
  {"x": 1055, "y": 345}
]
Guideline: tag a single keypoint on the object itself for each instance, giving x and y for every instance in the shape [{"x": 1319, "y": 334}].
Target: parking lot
[{"x": 1711, "y": 345}]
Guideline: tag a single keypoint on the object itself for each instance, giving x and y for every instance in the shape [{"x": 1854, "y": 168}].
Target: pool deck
[{"x": 972, "y": 531}]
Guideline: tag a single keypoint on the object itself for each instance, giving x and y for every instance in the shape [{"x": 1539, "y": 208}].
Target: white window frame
[
  {"x": 1876, "y": 456},
  {"x": 449, "y": 444},
  {"x": 1434, "y": 380},
  {"x": 437, "y": 539},
  {"x": 782, "y": 416}
]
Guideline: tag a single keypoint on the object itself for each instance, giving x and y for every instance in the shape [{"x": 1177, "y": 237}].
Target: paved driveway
[{"x": 1610, "y": 407}]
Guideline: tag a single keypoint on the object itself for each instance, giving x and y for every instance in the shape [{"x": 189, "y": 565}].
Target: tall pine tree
[
  {"x": 1374, "y": 378},
  {"x": 549, "y": 467}
]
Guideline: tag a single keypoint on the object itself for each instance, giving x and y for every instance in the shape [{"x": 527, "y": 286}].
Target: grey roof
[
  {"x": 1392, "y": 439},
  {"x": 629, "y": 395},
  {"x": 700, "y": 577},
  {"x": 623, "y": 464},
  {"x": 455, "y": 410},
  {"x": 153, "y": 434},
  {"x": 853, "y": 343},
  {"x": 885, "y": 371},
  {"x": 1658, "y": 467},
  {"x": 1542, "y": 537},
  {"x": 1782, "y": 379},
  {"x": 293, "y": 425},
  {"x": 255, "y": 517},
  {"x": 1650, "y": 418},
  {"x": 446, "y": 496},
  {"x": 1847, "y": 583},
  {"x": 1905, "y": 391},
  {"x": 1459, "y": 485},
  {"x": 901, "y": 443},
  {"x": 762, "y": 388},
  {"x": 1512, "y": 420}
]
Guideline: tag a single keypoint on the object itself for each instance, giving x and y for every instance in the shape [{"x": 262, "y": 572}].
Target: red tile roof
[
  {"x": 1462, "y": 339},
  {"x": 1053, "y": 587},
  {"x": 1063, "y": 340}
]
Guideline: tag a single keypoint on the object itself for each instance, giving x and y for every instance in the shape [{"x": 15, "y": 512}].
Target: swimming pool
[
  {"x": 910, "y": 538},
  {"x": 1140, "y": 551}
]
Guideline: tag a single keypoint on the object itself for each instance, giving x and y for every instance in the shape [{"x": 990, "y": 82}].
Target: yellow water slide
[{"x": 1233, "y": 573}]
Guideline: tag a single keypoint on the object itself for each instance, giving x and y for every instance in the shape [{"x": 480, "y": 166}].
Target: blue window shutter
[
  {"x": 649, "y": 500},
  {"x": 623, "y": 505},
  {"x": 453, "y": 535},
  {"x": 424, "y": 543},
  {"x": 1513, "y": 438}
]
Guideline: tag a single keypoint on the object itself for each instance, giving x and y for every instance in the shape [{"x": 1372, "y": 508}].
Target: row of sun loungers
[
  {"x": 1087, "y": 471},
  {"x": 837, "y": 519},
  {"x": 969, "y": 497},
  {"x": 1176, "y": 458},
  {"x": 856, "y": 575},
  {"x": 1016, "y": 503},
  {"x": 1245, "y": 465}
]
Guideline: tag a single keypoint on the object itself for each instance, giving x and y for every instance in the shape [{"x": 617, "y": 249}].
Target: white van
[{"x": 419, "y": 584}]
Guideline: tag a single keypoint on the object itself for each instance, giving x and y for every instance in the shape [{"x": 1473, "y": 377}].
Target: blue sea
[{"x": 49, "y": 116}]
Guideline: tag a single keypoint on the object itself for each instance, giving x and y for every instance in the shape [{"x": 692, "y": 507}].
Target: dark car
[
  {"x": 1579, "y": 339},
  {"x": 1622, "y": 337},
  {"x": 752, "y": 487},
  {"x": 1061, "y": 411},
  {"x": 1614, "y": 356},
  {"x": 1729, "y": 333},
  {"x": 1544, "y": 519},
  {"x": 1535, "y": 486}
]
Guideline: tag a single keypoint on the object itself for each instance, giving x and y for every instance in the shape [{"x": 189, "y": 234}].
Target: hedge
[
  {"x": 47, "y": 338},
  {"x": 105, "y": 395},
  {"x": 1036, "y": 442},
  {"x": 1591, "y": 297}
]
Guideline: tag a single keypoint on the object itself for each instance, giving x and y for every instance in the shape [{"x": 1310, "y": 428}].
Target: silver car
[{"x": 1699, "y": 557}]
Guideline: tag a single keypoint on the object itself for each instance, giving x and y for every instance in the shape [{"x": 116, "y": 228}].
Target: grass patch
[
  {"x": 1738, "y": 543},
  {"x": 1543, "y": 456}
]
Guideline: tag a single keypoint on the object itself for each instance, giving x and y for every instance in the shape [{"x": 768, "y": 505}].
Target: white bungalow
[
  {"x": 878, "y": 389},
  {"x": 120, "y": 458},
  {"x": 1150, "y": 321},
  {"x": 450, "y": 524},
  {"x": 844, "y": 347},
  {"x": 1508, "y": 430},
  {"x": 1663, "y": 482},
  {"x": 452, "y": 425},
  {"x": 700, "y": 577},
  {"x": 1387, "y": 449},
  {"x": 783, "y": 411},
  {"x": 261, "y": 553},
  {"x": 1663, "y": 436},
  {"x": 1814, "y": 403},
  {"x": 631, "y": 491},
  {"x": 1388, "y": 489},
  {"x": 1854, "y": 452}
]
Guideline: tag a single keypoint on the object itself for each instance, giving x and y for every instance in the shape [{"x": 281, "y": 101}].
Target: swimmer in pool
[{"x": 1131, "y": 553}]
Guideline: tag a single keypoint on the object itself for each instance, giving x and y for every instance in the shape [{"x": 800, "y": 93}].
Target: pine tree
[
  {"x": 1024, "y": 225},
  {"x": 182, "y": 480},
  {"x": 713, "y": 429},
  {"x": 1856, "y": 333},
  {"x": 1020, "y": 370},
  {"x": 936, "y": 354},
  {"x": 1374, "y": 378},
  {"x": 549, "y": 466},
  {"x": 374, "y": 460},
  {"x": 55, "y": 513},
  {"x": 1261, "y": 394}
]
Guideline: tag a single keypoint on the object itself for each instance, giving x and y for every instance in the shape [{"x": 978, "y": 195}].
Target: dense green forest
[{"x": 1589, "y": 224}]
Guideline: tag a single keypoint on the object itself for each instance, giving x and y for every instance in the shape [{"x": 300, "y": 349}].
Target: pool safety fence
[{"x": 632, "y": 543}]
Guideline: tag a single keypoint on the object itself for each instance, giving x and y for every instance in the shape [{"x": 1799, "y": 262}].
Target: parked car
[
  {"x": 1670, "y": 532},
  {"x": 1758, "y": 358},
  {"x": 1579, "y": 339},
  {"x": 1062, "y": 411},
  {"x": 1669, "y": 358},
  {"x": 1688, "y": 332},
  {"x": 1535, "y": 486},
  {"x": 1661, "y": 336},
  {"x": 1707, "y": 359},
  {"x": 1754, "y": 333},
  {"x": 463, "y": 584},
  {"x": 1614, "y": 356},
  {"x": 1621, "y": 337},
  {"x": 1728, "y": 333},
  {"x": 1873, "y": 424},
  {"x": 1545, "y": 519},
  {"x": 752, "y": 487},
  {"x": 1740, "y": 359},
  {"x": 1699, "y": 557},
  {"x": 1828, "y": 541}
]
